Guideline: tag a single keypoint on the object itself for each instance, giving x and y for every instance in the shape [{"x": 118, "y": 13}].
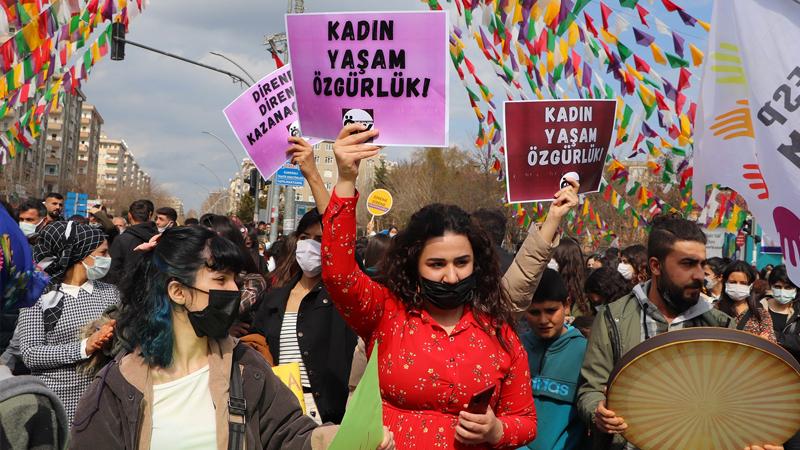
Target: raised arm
[
  {"x": 105, "y": 222},
  {"x": 360, "y": 299},
  {"x": 302, "y": 154},
  {"x": 522, "y": 277}
]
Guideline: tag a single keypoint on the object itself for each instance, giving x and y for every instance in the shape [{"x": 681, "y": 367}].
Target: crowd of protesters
[{"x": 144, "y": 332}]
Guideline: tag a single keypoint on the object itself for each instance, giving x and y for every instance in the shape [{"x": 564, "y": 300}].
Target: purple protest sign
[
  {"x": 387, "y": 70},
  {"x": 264, "y": 117}
]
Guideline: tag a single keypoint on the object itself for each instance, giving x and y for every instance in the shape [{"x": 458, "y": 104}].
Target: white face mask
[
  {"x": 308, "y": 255},
  {"x": 99, "y": 269},
  {"x": 784, "y": 296},
  {"x": 28, "y": 229},
  {"x": 711, "y": 283},
  {"x": 737, "y": 292},
  {"x": 553, "y": 265},
  {"x": 626, "y": 270},
  {"x": 163, "y": 229}
]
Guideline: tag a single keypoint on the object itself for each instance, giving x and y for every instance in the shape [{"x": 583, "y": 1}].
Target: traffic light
[
  {"x": 254, "y": 178},
  {"x": 117, "y": 45}
]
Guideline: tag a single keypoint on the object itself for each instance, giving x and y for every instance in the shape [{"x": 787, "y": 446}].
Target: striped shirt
[{"x": 290, "y": 348}]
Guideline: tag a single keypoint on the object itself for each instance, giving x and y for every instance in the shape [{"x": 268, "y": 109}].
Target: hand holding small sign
[
  {"x": 350, "y": 148},
  {"x": 302, "y": 154},
  {"x": 563, "y": 201}
]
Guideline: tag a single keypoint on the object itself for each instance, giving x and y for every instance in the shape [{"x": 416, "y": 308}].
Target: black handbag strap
[
  {"x": 237, "y": 405},
  {"x": 740, "y": 326},
  {"x": 616, "y": 344}
]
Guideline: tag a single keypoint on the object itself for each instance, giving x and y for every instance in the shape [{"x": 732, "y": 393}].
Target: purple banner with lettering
[
  {"x": 264, "y": 117},
  {"x": 387, "y": 70}
]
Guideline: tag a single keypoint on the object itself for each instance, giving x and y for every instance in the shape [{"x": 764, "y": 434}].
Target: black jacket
[
  {"x": 326, "y": 343},
  {"x": 123, "y": 258},
  {"x": 789, "y": 337}
]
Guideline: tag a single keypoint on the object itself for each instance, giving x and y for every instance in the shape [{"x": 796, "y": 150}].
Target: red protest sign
[{"x": 550, "y": 140}]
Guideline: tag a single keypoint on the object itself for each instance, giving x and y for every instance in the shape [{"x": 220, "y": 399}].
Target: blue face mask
[
  {"x": 100, "y": 268},
  {"x": 784, "y": 296}
]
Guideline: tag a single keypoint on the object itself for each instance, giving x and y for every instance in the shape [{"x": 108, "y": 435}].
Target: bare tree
[
  {"x": 436, "y": 175},
  {"x": 119, "y": 201}
]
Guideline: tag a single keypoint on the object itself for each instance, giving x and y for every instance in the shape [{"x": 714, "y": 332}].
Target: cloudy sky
[{"x": 160, "y": 105}]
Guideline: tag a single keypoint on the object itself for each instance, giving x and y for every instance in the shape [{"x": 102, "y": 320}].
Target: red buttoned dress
[{"x": 426, "y": 376}]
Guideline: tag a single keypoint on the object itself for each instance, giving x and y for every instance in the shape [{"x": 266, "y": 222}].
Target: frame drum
[{"x": 706, "y": 388}]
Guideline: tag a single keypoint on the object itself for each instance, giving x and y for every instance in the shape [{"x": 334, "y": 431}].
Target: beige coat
[
  {"x": 522, "y": 277},
  {"x": 116, "y": 410}
]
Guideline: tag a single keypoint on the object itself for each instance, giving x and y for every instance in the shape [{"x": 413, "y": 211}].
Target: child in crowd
[{"x": 555, "y": 354}]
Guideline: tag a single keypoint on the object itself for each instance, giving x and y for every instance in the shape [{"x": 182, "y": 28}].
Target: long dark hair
[
  {"x": 725, "y": 303},
  {"x": 287, "y": 268},
  {"x": 260, "y": 262},
  {"x": 491, "y": 305},
  {"x": 146, "y": 309},
  {"x": 637, "y": 257},
  {"x": 224, "y": 227},
  {"x": 572, "y": 269},
  {"x": 716, "y": 264},
  {"x": 377, "y": 246},
  {"x": 607, "y": 283},
  {"x": 610, "y": 257}
]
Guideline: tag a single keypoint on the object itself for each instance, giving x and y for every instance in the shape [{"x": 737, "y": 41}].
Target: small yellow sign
[
  {"x": 290, "y": 375},
  {"x": 379, "y": 202}
]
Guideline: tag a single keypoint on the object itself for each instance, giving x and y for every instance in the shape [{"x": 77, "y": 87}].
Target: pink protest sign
[
  {"x": 264, "y": 117},
  {"x": 387, "y": 70}
]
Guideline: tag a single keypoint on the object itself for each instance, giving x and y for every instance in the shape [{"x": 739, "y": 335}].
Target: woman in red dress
[{"x": 441, "y": 321}]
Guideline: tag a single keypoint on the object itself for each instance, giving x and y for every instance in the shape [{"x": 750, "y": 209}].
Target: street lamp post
[
  {"x": 221, "y": 184},
  {"x": 223, "y": 195},
  {"x": 253, "y": 80},
  {"x": 278, "y": 45},
  {"x": 235, "y": 158}
]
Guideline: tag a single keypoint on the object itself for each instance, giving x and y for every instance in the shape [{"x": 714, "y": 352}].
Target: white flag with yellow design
[{"x": 748, "y": 130}]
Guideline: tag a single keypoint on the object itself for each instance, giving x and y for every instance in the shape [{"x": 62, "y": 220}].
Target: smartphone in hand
[{"x": 479, "y": 403}]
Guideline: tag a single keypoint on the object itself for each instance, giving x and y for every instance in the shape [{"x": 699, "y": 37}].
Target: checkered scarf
[{"x": 66, "y": 243}]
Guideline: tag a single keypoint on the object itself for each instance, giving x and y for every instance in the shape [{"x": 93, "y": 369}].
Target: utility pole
[{"x": 277, "y": 45}]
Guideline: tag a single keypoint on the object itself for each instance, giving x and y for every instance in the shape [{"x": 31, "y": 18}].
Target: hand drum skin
[{"x": 706, "y": 388}]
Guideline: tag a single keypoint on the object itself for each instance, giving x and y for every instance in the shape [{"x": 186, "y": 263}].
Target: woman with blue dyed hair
[{"x": 182, "y": 382}]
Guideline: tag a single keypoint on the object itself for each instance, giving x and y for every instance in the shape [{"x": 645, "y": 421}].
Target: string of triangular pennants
[
  {"x": 727, "y": 212},
  {"x": 557, "y": 49},
  {"x": 43, "y": 66}
]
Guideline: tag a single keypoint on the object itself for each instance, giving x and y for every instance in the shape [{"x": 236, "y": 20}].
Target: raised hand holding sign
[{"x": 350, "y": 148}]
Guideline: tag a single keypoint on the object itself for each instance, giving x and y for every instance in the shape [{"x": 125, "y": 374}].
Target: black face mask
[
  {"x": 216, "y": 319},
  {"x": 446, "y": 295}
]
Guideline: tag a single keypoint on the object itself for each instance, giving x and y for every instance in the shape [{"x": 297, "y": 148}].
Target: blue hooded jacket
[{"x": 555, "y": 369}]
